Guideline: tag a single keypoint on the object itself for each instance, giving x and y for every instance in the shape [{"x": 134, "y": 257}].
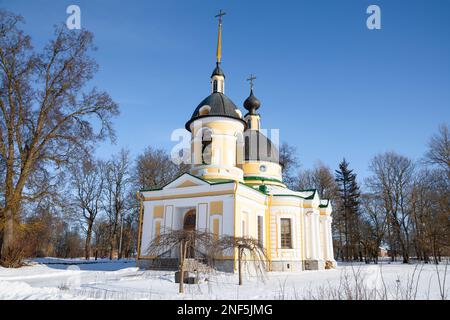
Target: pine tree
[{"x": 348, "y": 212}]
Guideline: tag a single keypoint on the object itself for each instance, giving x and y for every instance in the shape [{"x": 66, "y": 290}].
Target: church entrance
[{"x": 189, "y": 225}]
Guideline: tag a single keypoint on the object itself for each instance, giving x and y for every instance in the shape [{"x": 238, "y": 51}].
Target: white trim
[{"x": 183, "y": 178}]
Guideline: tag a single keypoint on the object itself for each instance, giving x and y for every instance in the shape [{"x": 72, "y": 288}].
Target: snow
[
  {"x": 51, "y": 278},
  {"x": 276, "y": 190}
]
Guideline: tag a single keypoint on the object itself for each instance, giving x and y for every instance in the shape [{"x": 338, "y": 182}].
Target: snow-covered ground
[{"x": 103, "y": 279}]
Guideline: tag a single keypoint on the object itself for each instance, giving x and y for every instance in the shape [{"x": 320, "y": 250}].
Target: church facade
[{"x": 235, "y": 187}]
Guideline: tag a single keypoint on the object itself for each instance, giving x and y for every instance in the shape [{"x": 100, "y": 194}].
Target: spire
[
  {"x": 219, "y": 37},
  {"x": 217, "y": 76}
]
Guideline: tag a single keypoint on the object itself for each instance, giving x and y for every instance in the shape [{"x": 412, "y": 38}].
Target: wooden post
[
  {"x": 240, "y": 250},
  {"x": 181, "y": 268}
]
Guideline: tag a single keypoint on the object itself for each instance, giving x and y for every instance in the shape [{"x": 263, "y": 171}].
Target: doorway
[{"x": 189, "y": 225}]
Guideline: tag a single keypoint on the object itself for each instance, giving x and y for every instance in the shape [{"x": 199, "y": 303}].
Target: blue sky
[{"x": 334, "y": 88}]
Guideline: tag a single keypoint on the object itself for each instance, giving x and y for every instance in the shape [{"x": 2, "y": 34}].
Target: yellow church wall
[
  {"x": 254, "y": 121},
  {"x": 225, "y": 135},
  {"x": 276, "y": 207},
  {"x": 294, "y": 212},
  {"x": 268, "y": 238},
  {"x": 325, "y": 211},
  {"x": 188, "y": 195},
  {"x": 247, "y": 205},
  {"x": 158, "y": 211},
  {"x": 216, "y": 207},
  {"x": 302, "y": 240},
  {"x": 252, "y": 169},
  {"x": 218, "y": 126}
]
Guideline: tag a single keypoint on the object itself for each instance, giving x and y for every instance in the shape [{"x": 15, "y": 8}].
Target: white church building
[{"x": 235, "y": 187}]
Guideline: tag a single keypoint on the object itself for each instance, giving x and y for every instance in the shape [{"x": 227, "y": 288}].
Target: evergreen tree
[{"x": 348, "y": 213}]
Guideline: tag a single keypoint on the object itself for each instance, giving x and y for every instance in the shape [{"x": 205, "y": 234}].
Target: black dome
[
  {"x": 259, "y": 148},
  {"x": 252, "y": 103},
  {"x": 220, "y": 106},
  {"x": 218, "y": 71}
]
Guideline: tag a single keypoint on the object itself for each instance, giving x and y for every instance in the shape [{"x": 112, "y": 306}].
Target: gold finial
[{"x": 219, "y": 37}]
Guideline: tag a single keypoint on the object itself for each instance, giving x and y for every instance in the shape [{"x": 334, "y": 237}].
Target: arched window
[
  {"x": 204, "y": 110},
  {"x": 206, "y": 146},
  {"x": 215, "y": 86}
]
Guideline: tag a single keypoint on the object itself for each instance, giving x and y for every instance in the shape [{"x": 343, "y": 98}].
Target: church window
[
  {"x": 206, "y": 147},
  {"x": 286, "y": 233},
  {"x": 204, "y": 110},
  {"x": 260, "y": 230},
  {"x": 215, "y": 86}
]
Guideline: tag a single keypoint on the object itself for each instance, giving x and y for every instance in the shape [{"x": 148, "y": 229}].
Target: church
[{"x": 235, "y": 187}]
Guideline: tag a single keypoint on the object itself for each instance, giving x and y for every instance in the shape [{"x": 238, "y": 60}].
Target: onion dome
[
  {"x": 218, "y": 71},
  {"x": 252, "y": 103},
  {"x": 215, "y": 105}
]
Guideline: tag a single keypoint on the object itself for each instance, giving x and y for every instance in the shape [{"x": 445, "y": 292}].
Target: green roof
[
  {"x": 263, "y": 179},
  {"x": 324, "y": 205},
  {"x": 248, "y": 185},
  {"x": 210, "y": 182}
]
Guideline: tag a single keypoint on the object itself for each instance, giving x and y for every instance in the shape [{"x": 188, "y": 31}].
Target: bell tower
[
  {"x": 252, "y": 104},
  {"x": 217, "y": 129}
]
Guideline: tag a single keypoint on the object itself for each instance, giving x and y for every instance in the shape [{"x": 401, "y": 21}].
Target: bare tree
[
  {"x": 101, "y": 238},
  {"x": 374, "y": 223},
  {"x": 320, "y": 178},
  {"x": 391, "y": 181},
  {"x": 289, "y": 161},
  {"x": 429, "y": 202},
  {"x": 184, "y": 240},
  {"x": 439, "y": 149},
  {"x": 117, "y": 182},
  {"x": 88, "y": 183},
  {"x": 45, "y": 113},
  {"x": 154, "y": 168},
  {"x": 248, "y": 249}
]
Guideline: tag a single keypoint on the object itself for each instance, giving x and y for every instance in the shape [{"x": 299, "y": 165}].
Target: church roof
[
  {"x": 218, "y": 71},
  {"x": 220, "y": 106},
  {"x": 280, "y": 191},
  {"x": 259, "y": 148},
  {"x": 252, "y": 103}
]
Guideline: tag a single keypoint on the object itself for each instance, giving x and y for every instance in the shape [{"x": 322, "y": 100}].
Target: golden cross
[{"x": 220, "y": 15}]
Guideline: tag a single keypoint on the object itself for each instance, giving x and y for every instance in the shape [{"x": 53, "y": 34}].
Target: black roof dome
[
  {"x": 259, "y": 148},
  {"x": 220, "y": 106},
  {"x": 218, "y": 71},
  {"x": 252, "y": 103}
]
